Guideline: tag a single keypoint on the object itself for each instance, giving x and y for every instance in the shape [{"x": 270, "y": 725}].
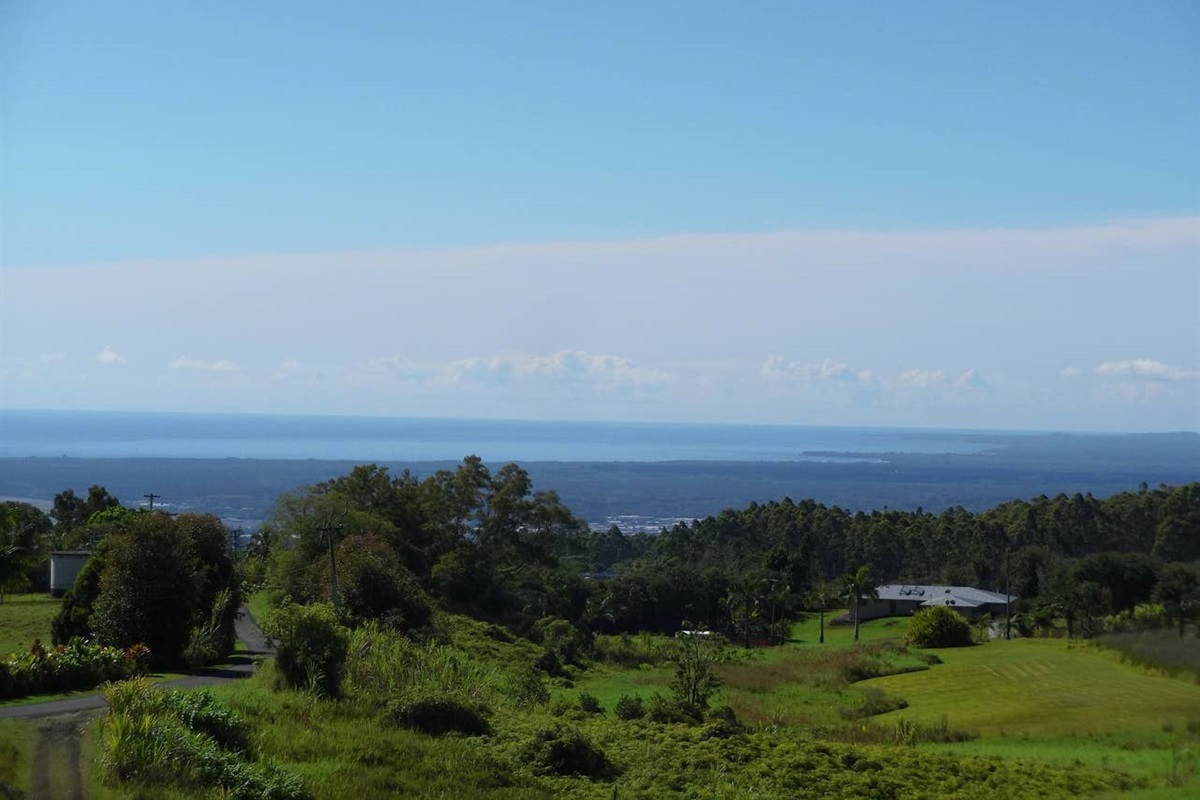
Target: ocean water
[{"x": 165, "y": 435}]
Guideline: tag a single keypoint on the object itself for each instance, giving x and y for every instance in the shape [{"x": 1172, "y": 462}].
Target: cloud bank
[{"x": 975, "y": 328}]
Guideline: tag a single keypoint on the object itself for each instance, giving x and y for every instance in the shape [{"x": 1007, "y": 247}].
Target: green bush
[
  {"x": 939, "y": 626},
  {"x": 562, "y": 750},
  {"x": 562, "y": 639},
  {"x": 311, "y": 646},
  {"x": 665, "y": 710},
  {"x": 76, "y": 665},
  {"x": 590, "y": 704},
  {"x": 438, "y": 715},
  {"x": 629, "y": 707}
]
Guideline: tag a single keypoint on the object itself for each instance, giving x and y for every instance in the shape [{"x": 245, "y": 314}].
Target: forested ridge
[{"x": 487, "y": 544}]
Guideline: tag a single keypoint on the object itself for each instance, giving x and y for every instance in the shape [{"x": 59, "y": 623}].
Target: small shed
[{"x": 64, "y": 568}]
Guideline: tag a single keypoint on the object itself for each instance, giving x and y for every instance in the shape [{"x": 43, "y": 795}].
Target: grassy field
[
  {"x": 1064, "y": 718},
  {"x": 25, "y": 617},
  {"x": 1051, "y": 687},
  {"x": 1063, "y": 702}
]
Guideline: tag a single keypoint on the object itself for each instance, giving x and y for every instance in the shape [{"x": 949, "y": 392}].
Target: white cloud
[
  {"x": 922, "y": 378},
  {"x": 778, "y": 369},
  {"x": 199, "y": 365},
  {"x": 1146, "y": 368},
  {"x": 562, "y": 371},
  {"x": 971, "y": 379},
  {"x": 53, "y": 358},
  {"x": 1072, "y": 372},
  {"x": 294, "y": 371},
  {"x": 110, "y": 357}
]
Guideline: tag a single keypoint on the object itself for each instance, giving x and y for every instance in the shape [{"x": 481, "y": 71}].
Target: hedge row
[{"x": 79, "y": 664}]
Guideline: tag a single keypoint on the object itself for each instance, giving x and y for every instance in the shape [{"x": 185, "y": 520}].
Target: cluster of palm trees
[{"x": 854, "y": 588}]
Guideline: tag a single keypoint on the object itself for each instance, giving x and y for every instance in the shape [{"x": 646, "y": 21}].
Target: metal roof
[{"x": 929, "y": 595}]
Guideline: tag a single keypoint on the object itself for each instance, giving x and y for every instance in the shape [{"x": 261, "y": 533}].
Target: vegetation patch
[
  {"x": 939, "y": 626},
  {"x": 563, "y": 750},
  {"x": 1041, "y": 686},
  {"x": 76, "y": 665},
  {"x": 437, "y": 715},
  {"x": 155, "y": 738},
  {"x": 311, "y": 646},
  {"x": 25, "y": 618},
  {"x": 1157, "y": 649}
]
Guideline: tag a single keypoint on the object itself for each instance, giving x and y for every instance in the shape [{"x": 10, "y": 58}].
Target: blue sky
[{"x": 933, "y": 214}]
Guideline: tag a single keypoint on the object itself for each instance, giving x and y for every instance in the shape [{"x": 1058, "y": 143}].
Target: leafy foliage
[
  {"x": 153, "y": 580},
  {"x": 940, "y": 626},
  {"x": 695, "y": 680},
  {"x": 563, "y": 750},
  {"x": 438, "y": 714},
  {"x": 311, "y": 646},
  {"x": 76, "y": 665}
]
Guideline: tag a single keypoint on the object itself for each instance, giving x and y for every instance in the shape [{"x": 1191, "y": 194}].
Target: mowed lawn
[
  {"x": 1043, "y": 687},
  {"x": 23, "y": 618}
]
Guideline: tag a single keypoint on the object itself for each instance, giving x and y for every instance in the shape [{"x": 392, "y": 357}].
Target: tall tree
[
  {"x": 822, "y": 597},
  {"x": 858, "y": 586}
]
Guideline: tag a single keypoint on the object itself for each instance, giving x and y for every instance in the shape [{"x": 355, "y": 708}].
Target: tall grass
[
  {"x": 384, "y": 665},
  {"x": 155, "y": 738},
  {"x": 1158, "y": 649}
]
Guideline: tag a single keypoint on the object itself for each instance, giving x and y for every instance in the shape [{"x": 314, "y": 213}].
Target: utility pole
[
  {"x": 328, "y": 532},
  {"x": 152, "y": 497},
  {"x": 1007, "y": 600}
]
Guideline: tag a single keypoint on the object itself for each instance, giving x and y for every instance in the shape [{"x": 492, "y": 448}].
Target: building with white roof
[{"x": 902, "y": 599}]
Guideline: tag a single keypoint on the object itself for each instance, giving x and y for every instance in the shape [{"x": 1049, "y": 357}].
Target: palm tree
[
  {"x": 822, "y": 597},
  {"x": 858, "y": 586}
]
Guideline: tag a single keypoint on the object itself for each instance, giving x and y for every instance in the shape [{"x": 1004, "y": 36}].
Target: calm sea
[{"x": 160, "y": 435}]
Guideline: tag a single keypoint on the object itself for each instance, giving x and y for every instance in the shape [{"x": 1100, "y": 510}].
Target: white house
[{"x": 64, "y": 568}]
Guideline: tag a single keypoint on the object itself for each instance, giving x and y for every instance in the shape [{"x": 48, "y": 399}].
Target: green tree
[
  {"x": 822, "y": 597},
  {"x": 1178, "y": 591},
  {"x": 856, "y": 587},
  {"x": 153, "y": 581},
  {"x": 695, "y": 681},
  {"x": 24, "y": 547}
]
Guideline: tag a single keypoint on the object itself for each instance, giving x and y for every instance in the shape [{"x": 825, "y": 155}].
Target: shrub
[
  {"x": 311, "y": 648},
  {"x": 721, "y": 723},
  {"x": 76, "y": 665},
  {"x": 939, "y": 626},
  {"x": 665, "y": 710},
  {"x": 562, "y": 639},
  {"x": 629, "y": 707},
  {"x": 549, "y": 663},
  {"x": 562, "y": 750},
  {"x": 590, "y": 704},
  {"x": 438, "y": 715},
  {"x": 528, "y": 688}
]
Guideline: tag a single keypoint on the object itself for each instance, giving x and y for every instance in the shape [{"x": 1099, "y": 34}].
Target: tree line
[{"x": 485, "y": 543}]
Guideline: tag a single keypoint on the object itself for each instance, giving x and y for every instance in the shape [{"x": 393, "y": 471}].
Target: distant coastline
[
  {"x": 94, "y": 434},
  {"x": 608, "y": 473}
]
